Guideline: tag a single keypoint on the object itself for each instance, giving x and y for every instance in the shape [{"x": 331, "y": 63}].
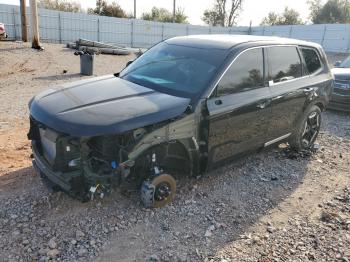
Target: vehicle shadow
[
  {"x": 231, "y": 198},
  {"x": 59, "y": 77},
  {"x": 15, "y": 182}
]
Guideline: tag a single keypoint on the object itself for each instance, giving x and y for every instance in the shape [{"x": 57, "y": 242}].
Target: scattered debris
[
  {"x": 209, "y": 231},
  {"x": 52, "y": 244},
  {"x": 153, "y": 258},
  {"x": 53, "y": 253},
  {"x": 271, "y": 229},
  {"x": 292, "y": 154}
]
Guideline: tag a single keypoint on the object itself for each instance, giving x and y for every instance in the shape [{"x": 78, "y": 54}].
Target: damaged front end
[
  {"x": 86, "y": 167},
  {"x": 93, "y": 134}
]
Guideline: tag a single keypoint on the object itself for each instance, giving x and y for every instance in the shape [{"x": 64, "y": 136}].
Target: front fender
[{"x": 183, "y": 130}]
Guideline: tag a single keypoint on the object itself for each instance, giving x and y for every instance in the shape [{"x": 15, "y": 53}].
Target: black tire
[{"x": 307, "y": 130}]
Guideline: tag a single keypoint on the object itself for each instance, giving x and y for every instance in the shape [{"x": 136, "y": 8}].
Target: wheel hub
[
  {"x": 162, "y": 191},
  {"x": 159, "y": 191}
]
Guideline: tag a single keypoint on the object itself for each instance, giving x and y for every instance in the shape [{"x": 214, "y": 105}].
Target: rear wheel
[{"x": 307, "y": 130}]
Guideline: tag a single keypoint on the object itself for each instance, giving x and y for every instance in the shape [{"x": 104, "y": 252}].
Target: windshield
[
  {"x": 174, "y": 69},
  {"x": 345, "y": 63}
]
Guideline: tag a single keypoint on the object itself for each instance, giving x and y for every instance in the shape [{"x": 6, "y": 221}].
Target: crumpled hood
[
  {"x": 103, "y": 105},
  {"x": 341, "y": 73}
]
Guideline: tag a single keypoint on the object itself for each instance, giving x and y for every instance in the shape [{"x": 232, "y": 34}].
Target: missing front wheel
[{"x": 158, "y": 191}]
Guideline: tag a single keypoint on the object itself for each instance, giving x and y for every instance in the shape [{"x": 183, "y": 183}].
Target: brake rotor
[{"x": 159, "y": 191}]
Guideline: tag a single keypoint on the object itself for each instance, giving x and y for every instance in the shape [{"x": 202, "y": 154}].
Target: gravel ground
[{"x": 269, "y": 206}]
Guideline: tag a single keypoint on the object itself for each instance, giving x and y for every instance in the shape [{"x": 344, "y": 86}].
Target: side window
[
  {"x": 246, "y": 73},
  {"x": 284, "y": 63},
  {"x": 312, "y": 60}
]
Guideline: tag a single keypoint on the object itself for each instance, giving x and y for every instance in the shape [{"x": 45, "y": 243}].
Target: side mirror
[
  {"x": 139, "y": 53},
  {"x": 337, "y": 63},
  {"x": 128, "y": 63}
]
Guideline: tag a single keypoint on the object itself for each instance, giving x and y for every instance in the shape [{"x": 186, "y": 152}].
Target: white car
[{"x": 2, "y": 31}]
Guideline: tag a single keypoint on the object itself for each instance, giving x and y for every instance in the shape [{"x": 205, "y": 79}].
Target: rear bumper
[{"x": 44, "y": 169}]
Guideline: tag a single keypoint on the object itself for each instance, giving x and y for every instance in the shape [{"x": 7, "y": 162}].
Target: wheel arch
[
  {"x": 185, "y": 149},
  {"x": 321, "y": 105},
  {"x": 316, "y": 102}
]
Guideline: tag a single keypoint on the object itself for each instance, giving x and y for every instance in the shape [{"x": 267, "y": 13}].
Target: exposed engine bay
[{"x": 89, "y": 167}]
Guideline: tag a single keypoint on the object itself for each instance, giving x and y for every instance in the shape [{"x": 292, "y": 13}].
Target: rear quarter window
[
  {"x": 312, "y": 60},
  {"x": 284, "y": 63}
]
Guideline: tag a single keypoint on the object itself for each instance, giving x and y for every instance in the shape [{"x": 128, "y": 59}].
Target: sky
[{"x": 253, "y": 10}]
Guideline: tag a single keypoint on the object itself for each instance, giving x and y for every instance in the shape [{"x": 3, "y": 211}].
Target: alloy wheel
[{"x": 311, "y": 129}]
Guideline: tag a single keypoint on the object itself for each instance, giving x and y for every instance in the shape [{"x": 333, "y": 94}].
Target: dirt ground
[{"x": 269, "y": 206}]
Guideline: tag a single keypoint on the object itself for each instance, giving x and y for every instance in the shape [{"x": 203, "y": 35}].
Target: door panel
[
  {"x": 287, "y": 104},
  {"x": 240, "y": 110},
  {"x": 287, "y": 86},
  {"x": 238, "y": 123}
]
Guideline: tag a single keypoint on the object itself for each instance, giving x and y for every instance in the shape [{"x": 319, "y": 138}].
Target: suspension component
[{"x": 159, "y": 191}]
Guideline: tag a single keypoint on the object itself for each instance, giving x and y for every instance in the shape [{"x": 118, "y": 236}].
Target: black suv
[{"x": 184, "y": 106}]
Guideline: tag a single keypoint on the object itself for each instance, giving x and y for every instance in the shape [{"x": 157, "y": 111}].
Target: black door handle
[{"x": 218, "y": 102}]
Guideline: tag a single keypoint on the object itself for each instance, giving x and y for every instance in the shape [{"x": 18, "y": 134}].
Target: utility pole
[
  {"x": 24, "y": 21},
  {"x": 135, "y": 9},
  {"x": 174, "y": 11},
  {"x": 35, "y": 25}
]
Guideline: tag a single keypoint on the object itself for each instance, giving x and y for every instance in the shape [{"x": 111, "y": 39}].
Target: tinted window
[
  {"x": 246, "y": 73},
  {"x": 312, "y": 60},
  {"x": 284, "y": 63},
  {"x": 175, "y": 69}
]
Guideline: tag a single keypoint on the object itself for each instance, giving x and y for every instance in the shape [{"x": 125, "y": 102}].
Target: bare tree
[
  {"x": 236, "y": 6},
  {"x": 219, "y": 14}
]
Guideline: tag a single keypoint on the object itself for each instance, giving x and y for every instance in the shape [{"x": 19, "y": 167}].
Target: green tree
[
  {"x": 60, "y": 5},
  {"x": 222, "y": 13},
  {"x": 105, "y": 9},
  {"x": 288, "y": 17},
  {"x": 315, "y": 7},
  {"x": 333, "y": 11},
  {"x": 271, "y": 19},
  {"x": 164, "y": 15}
]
